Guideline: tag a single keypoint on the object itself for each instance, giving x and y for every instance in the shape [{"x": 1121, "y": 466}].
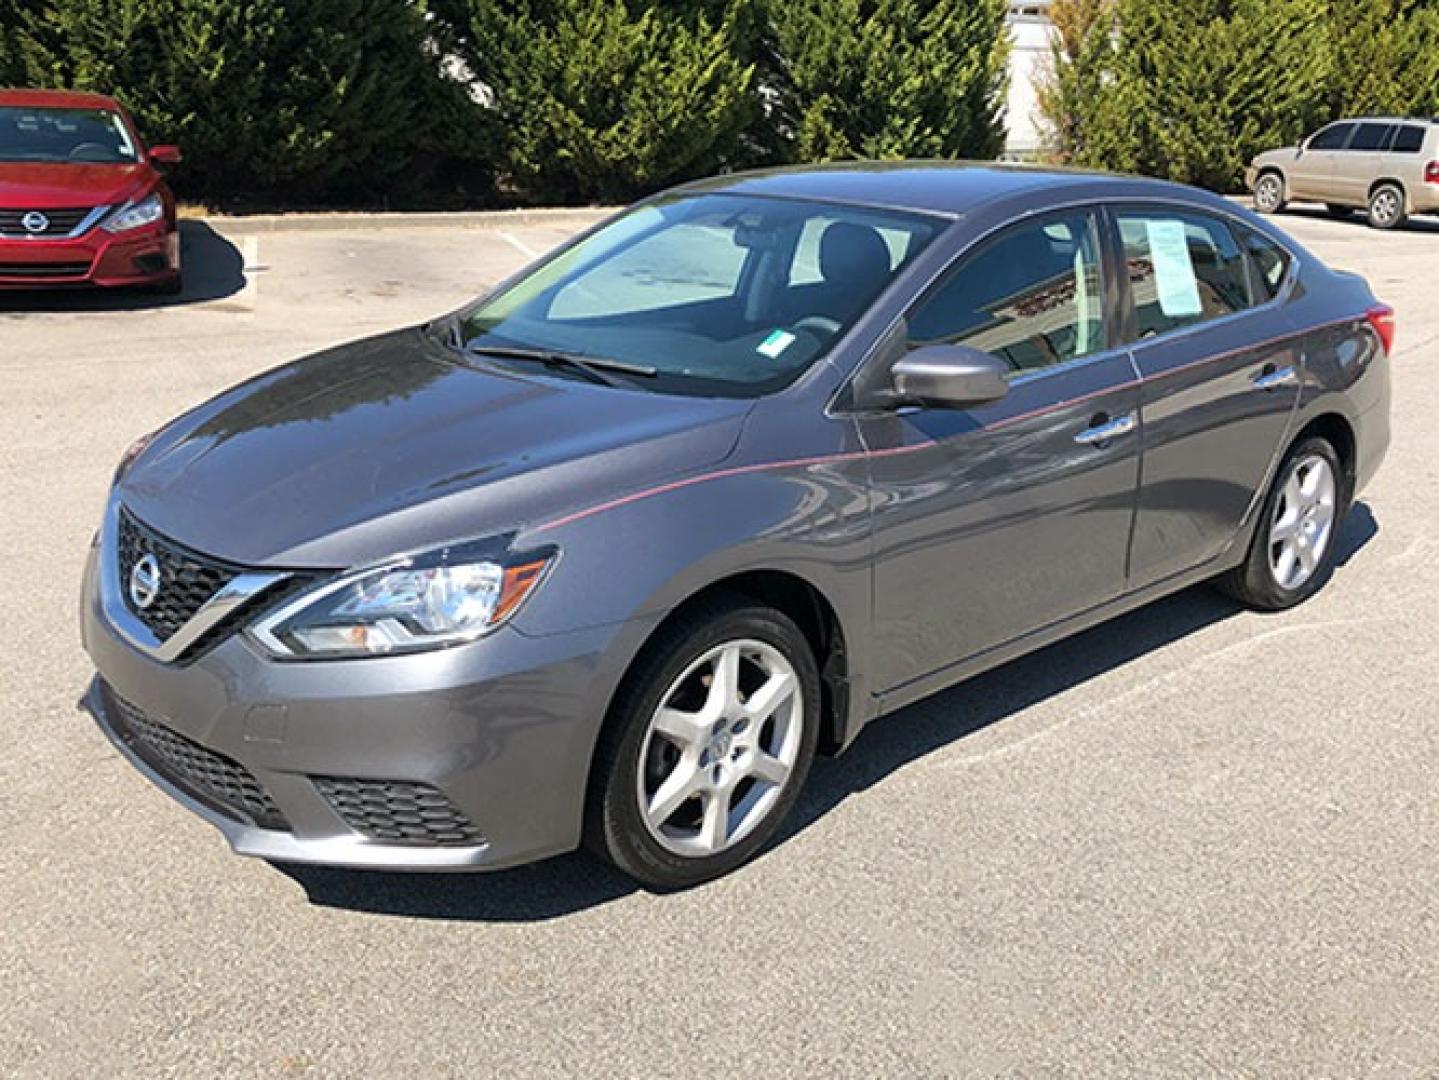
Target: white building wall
[{"x": 1030, "y": 31}]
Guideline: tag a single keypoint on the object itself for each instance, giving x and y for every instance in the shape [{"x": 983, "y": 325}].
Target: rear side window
[
  {"x": 1271, "y": 262},
  {"x": 1032, "y": 297},
  {"x": 1409, "y": 140},
  {"x": 1331, "y": 138},
  {"x": 1184, "y": 268},
  {"x": 1370, "y": 137}
]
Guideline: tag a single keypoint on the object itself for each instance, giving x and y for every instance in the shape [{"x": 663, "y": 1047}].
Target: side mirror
[
  {"x": 166, "y": 155},
  {"x": 949, "y": 377}
]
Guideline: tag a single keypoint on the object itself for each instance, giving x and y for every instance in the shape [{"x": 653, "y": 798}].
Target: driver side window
[{"x": 1032, "y": 297}]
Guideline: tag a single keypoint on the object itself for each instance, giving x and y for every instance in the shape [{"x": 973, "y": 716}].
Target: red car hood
[{"x": 37, "y": 186}]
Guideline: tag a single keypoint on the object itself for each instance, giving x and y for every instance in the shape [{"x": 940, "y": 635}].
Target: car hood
[
  {"x": 390, "y": 445},
  {"x": 39, "y": 186}
]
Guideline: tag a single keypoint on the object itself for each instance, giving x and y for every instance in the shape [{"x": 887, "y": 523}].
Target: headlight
[
  {"x": 427, "y": 602},
  {"x": 136, "y": 215}
]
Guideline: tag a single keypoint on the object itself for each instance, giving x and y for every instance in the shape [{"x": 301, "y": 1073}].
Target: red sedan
[{"x": 82, "y": 201}]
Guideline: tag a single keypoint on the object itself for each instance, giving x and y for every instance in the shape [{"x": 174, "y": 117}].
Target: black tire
[
  {"x": 1339, "y": 211},
  {"x": 1270, "y": 192},
  {"x": 1253, "y": 582},
  {"x": 615, "y": 828},
  {"x": 1387, "y": 209}
]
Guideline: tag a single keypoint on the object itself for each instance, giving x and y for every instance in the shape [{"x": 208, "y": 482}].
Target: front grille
[
  {"x": 399, "y": 812},
  {"x": 59, "y": 223},
  {"x": 43, "y": 270},
  {"x": 214, "y": 779},
  {"x": 187, "y": 579}
]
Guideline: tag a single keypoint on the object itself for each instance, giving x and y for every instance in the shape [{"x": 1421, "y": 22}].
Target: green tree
[
  {"x": 890, "y": 78},
  {"x": 325, "y": 100},
  {"x": 1390, "y": 51},
  {"x": 601, "y": 103}
]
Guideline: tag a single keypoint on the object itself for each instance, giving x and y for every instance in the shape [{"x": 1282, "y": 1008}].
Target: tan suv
[{"x": 1387, "y": 166}]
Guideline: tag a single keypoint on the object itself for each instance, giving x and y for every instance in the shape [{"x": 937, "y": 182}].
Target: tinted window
[
  {"x": 1183, "y": 269},
  {"x": 1271, "y": 261},
  {"x": 1031, "y": 297},
  {"x": 720, "y": 294},
  {"x": 70, "y": 136},
  {"x": 1370, "y": 137},
  {"x": 1332, "y": 137},
  {"x": 1409, "y": 140}
]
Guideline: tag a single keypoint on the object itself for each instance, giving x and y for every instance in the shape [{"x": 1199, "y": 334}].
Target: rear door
[
  {"x": 1220, "y": 369},
  {"x": 1312, "y": 174},
  {"x": 1357, "y": 166},
  {"x": 993, "y": 522}
]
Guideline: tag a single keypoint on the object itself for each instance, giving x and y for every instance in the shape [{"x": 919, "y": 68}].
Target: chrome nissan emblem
[
  {"x": 145, "y": 581},
  {"x": 35, "y": 222}
]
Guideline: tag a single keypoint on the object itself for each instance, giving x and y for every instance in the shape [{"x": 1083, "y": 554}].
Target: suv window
[
  {"x": 1184, "y": 268},
  {"x": 1409, "y": 140},
  {"x": 1331, "y": 138},
  {"x": 1271, "y": 262},
  {"x": 1033, "y": 296},
  {"x": 1370, "y": 137}
]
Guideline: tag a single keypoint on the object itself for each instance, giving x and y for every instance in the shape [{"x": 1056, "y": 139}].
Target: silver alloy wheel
[
  {"x": 1303, "y": 523},
  {"x": 720, "y": 748},
  {"x": 1268, "y": 193},
  {"x": 1385, "y": 206}
]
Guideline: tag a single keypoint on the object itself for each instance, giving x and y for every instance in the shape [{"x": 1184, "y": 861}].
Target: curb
[{"x": 559, "y": 218}]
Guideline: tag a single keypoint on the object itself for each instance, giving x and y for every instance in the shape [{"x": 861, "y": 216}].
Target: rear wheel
[
  {"x": 708, "y": 746},
  {"x": 1386, "y": 207},
  {"x": 1269, "y": 195},
  {"x": 1292, "y": 554}
]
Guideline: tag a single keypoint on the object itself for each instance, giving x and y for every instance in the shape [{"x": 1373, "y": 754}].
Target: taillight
[
  {"x": 1381, "y": 317},
  {"x": 1431, "y": 173}
]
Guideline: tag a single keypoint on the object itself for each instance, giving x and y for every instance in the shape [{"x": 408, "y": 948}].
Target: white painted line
[{"x": 518, "y": 244}]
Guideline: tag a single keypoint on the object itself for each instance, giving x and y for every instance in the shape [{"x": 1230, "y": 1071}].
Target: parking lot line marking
[{"x": 518, "y": 244}]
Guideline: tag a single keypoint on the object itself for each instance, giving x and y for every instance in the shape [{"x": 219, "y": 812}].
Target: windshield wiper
[{"x": 591, "y": 367}]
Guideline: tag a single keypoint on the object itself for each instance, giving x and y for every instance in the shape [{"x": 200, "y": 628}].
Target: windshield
[
  {"x": 79, "y": 136},
  {"x": 720, "y": 295}
]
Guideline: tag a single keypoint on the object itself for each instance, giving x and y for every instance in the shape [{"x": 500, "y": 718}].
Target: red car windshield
[{"x": 76, "y": 136}]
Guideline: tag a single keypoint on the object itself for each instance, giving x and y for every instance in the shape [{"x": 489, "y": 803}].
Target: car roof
[
  {"x": 950, "y": 188},
  {"x": 1386, "y": 120},
  {"x": 56, "y": 99}
]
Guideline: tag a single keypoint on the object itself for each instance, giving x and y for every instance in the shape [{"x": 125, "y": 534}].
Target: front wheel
[
  {"x": 1269, "y": 193},
  {"x": 707, "y": 746},
  {"x": 1292, "y": 554}
]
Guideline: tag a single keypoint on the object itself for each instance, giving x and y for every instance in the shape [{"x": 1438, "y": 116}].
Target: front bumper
[
  {"x": 144, "y": 256},
  {"x": 503, "y": 730}
]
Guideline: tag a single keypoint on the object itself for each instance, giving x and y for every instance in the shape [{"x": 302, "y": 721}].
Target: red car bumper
[{"x": 145, "y": 256}]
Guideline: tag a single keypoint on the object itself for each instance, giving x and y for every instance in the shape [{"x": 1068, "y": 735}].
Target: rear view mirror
[
  {"x": 166, "y": 155},
  {"x": 949, "y": 377}
]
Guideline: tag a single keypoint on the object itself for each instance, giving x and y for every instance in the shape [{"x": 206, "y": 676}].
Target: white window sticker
[
  {"x": 776, "y": 343},
  {"x": 1173, "y": 271}
]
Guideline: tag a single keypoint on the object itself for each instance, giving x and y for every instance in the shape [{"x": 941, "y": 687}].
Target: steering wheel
[
  {"x": 91, "y": 151},
  {"x": 819, "y": 325}
]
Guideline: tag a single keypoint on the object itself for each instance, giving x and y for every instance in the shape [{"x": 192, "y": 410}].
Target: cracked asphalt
[{"x": 1192, "y": 842}]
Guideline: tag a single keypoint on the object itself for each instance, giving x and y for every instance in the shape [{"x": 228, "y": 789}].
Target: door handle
[
  {"x": 1272, "y": 378},
  {"x": 1106, "y": 430}
]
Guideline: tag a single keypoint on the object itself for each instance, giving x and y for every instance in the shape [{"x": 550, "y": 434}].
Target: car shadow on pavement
[
  {"x": 1415, "y": 224},
  {"x": 214, "y": 270},
  {"x": 573, "y": 883}
]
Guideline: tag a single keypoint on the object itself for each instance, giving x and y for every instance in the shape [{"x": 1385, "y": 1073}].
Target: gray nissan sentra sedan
[{"x": 609, "y": 555}]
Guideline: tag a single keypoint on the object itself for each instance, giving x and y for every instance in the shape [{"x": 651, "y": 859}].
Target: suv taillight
[
  {"x": 1431, "y": 173},
  {"x": 1381, "y": 317}
]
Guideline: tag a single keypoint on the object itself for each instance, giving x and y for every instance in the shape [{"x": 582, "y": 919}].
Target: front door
[
  {"x": 997, "y": 521},
  {"x": 1312, "y": 174}
]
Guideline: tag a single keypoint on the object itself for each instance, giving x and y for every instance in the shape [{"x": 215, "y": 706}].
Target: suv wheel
[
  {"x": 1269, "y": 193},
  {"x": 1386, "y": 207},
  {"x": 1293, "y": 551},
  {"x": 707, "y": 747}
]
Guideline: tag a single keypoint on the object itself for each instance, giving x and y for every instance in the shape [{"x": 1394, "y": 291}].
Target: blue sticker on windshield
[{"x": 776, "y": 343}]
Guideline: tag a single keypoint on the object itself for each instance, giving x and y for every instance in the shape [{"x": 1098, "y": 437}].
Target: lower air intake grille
[
  {"x": 398, "y": 812},
  {"x": 214, "y": 779}
]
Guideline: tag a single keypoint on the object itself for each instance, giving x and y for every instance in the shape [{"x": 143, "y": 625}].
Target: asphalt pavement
[{"x": 1192, "y": 842}]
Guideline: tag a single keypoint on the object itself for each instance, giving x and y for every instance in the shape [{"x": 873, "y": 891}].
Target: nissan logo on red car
[{"x": 82, "y": 198}]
